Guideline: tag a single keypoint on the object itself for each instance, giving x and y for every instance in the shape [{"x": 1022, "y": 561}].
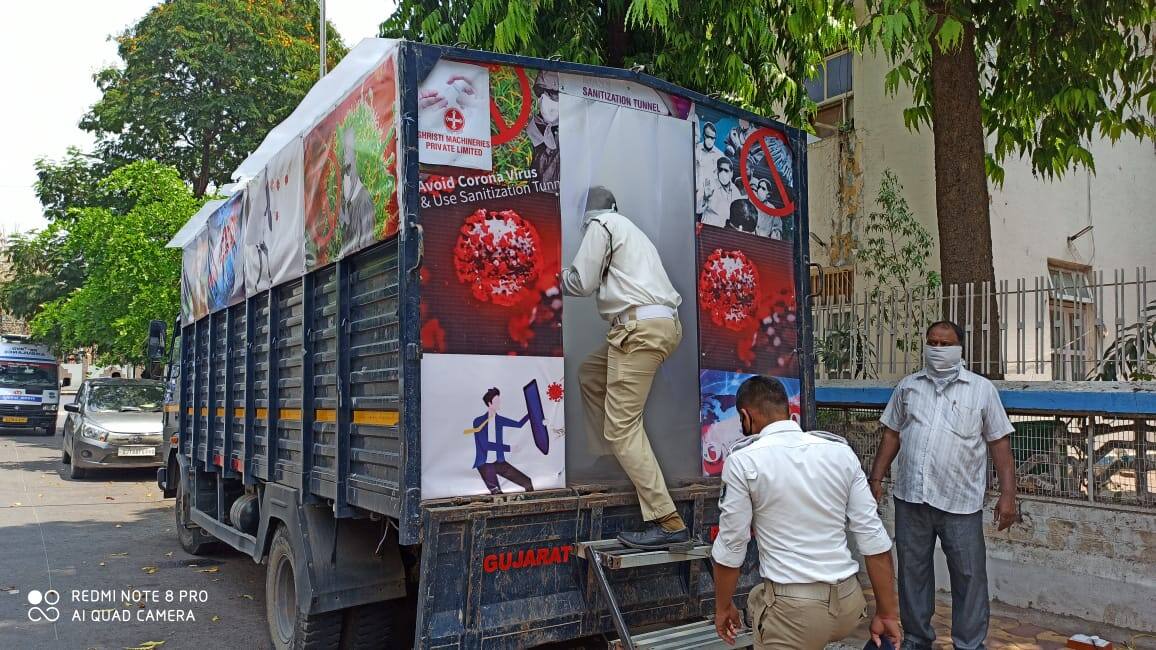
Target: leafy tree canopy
[
  {"x": 203, "y": 81},
  {"x": 130, "y": 275}
]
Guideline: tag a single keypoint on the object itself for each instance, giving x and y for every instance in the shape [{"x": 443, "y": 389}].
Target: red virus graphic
[
  {"x": 554, "y": 392},
  {"x": 497, "y": 255},
  {"x": 728, "y": 289}
]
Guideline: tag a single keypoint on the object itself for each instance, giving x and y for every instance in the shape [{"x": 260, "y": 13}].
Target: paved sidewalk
[{"x": 1013, "y": 628}]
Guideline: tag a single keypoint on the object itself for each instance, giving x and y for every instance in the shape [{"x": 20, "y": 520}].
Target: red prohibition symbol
[
  {"x": 506, "y": 132},
  {"x": 760, "y": 137}
]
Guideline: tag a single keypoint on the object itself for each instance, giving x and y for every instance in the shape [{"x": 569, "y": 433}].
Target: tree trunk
[
  {"x": 961, "y": 199},
  {"x": 617, "y": 38}
]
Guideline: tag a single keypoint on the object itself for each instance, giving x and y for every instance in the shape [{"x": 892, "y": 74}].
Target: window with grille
[{"x": 1072, "y": 313}]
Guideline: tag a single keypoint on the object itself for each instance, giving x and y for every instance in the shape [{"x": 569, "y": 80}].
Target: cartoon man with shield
[{"x": 489, "y": 438}]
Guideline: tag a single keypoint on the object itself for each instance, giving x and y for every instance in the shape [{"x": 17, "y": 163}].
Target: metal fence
[
  {"x": 1067, "y": 325},
  {"x": 1082, "y": 458}
]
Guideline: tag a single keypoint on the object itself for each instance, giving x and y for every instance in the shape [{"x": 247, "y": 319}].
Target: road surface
[{"x": 92, "y": 539}]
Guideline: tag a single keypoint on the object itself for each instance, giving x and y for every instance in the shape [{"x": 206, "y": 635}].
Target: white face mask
[{"x": 940, "y": 360}]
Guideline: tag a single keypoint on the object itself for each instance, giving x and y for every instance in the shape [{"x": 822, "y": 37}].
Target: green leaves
[
  {"x": 203, "y": 81},
  {"x": 129, "y": 276}
]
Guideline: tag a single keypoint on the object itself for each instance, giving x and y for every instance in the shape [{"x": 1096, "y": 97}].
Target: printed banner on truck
[
  {"x": 351, "y": 171},
  {"x": 744, "y": 176},
  {"x": 719, "y": 418},
  {"x": 492, "y": 257},
  {"x": 746, "y": 302},
  {"x": 626, "y": 94},
  {"x": 491, "y": 425},
  {"x": 226, "y": 265},
  {"x": 274, "y": 221},
  {"x": 195, "y": 277},
  {"x": 454, "y": 112}
]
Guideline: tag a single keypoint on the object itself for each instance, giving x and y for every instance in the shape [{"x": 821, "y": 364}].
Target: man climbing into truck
[{"x": 635, "y": 295}]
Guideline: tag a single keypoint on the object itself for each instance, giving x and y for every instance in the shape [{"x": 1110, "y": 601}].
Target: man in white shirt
[
  {"x": 619, "y": 262},
  {"x": 941, "y": 422},
  {"x": 717, "y": 193},
  {"x": 801, "y": 492}
]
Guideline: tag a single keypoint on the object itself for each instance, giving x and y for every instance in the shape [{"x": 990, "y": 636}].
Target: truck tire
[
  {"x": 193, "y": 540},
  {"x": 368, "y": 627},
  {"x": 289, "y": 628}
]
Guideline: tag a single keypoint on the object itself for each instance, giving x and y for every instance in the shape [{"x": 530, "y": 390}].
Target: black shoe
[{"x": 654, "y": 537}]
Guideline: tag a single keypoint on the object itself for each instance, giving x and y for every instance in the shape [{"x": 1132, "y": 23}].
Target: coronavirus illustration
[
  {"x": 498, "y": 256},
  {"x": 728, "y": 289}
]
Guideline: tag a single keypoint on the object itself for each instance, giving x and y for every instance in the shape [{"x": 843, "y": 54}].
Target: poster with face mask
[
  {"x": 744, "y": 176},
  {"x": 721, "y": 424},
  {"x": 454, "y": 116}
]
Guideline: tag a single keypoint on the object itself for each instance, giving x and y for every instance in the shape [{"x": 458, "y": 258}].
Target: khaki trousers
[
  {"x": 615, "y": 381},
  {"x": 797, "y": 617}
]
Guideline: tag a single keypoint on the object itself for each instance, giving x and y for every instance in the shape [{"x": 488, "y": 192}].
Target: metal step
[
  {"x": 692, "y": 636},
  {"x": 613, "y": 555}
]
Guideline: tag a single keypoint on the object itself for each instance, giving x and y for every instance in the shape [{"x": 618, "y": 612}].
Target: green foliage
[
  {"x": 203, "y": 81},
  {"x": 506, "y": 93},
  {"x": 130, "y": 278},
  {"x": 752, "y": 53},
  {"x": 66, "y": 183},
  {"x": 1132, "y": 356},
  {"x": 894, "y": 258},
  {"x": 1053, "y": 73}
]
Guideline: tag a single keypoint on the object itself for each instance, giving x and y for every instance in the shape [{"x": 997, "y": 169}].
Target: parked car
[{"x": 114, "y": 423}]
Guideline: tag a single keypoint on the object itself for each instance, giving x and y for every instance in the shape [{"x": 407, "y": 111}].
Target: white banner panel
[
  {"x": 275, "y": 221},
  {"x": 491, "y": 425}
]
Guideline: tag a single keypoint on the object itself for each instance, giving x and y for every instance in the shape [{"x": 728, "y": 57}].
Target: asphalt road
[{"x": 111, "y": 532}]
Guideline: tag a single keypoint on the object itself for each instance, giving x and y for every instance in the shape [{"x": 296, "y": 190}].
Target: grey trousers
[{"x": 961, "y": 536}]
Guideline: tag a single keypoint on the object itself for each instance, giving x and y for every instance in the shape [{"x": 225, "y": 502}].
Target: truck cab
[{"x": 29, "y": 387}]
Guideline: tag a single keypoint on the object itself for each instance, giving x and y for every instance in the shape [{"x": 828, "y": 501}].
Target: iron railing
[
  {"x": 1088, "y": 458},
  {"x": 1068, "y": 325}
]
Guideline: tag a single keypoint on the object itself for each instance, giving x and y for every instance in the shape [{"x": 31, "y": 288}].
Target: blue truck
[{"x": 296, "y": 406}]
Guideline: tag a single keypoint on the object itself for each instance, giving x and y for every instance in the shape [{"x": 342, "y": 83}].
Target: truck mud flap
[{"x": 345, "y": 567}]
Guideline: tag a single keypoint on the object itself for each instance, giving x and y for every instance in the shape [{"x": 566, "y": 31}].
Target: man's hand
[
  {"x": 727, "y": 622},
  {"x": 886, "y": 626},
  {"x": 1005, "y": 511},
  {"x": 876, "y": 486}
]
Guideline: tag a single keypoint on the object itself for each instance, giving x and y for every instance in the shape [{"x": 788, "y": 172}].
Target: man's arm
[
  {"x": 888, "y": 449},
  {"x": 892, "y": 421},
  {"x": 997, "y": 431},
  {"x": 730, "y": 548},
  {"x": 585, "y": 272},
  {"x": 1005, "y": 469},
  {"x": 886, "y": 620}
]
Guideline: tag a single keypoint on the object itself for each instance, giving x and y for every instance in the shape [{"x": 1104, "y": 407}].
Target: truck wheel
[
  {"x": 193, "y": 540},
  {"x": 289, "y": 629},
  {"x": 367, "y": 627}
]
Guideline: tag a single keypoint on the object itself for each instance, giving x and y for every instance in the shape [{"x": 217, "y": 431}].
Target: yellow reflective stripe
[
  {"x": 220, "y": 411},
  {"x": 262, "y": 414},
  {"x": 325, "y": 415},
  {"x": 172, "y": 408},
  {"x": 238, "y": 413},
  {"x": 380, "y": 418},
  {"x": 289, "y": 414},
  {"x": 205, "y": 411}
]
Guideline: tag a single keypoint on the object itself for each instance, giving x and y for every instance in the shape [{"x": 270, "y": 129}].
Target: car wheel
[
  {"x": 289, "y": 628},
  {"x": 75, "y": 472},
  {"x": 64, "y": 457},
  {"x": 194, "y": 541}
]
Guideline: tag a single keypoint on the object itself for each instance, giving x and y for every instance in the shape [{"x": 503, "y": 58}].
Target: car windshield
[
  {"x": 34, "y": 375},
  {"x": 126, "y": 397}
]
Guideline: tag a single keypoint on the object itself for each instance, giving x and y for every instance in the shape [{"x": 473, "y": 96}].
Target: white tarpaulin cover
[{"x": 194, "y": 224}]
